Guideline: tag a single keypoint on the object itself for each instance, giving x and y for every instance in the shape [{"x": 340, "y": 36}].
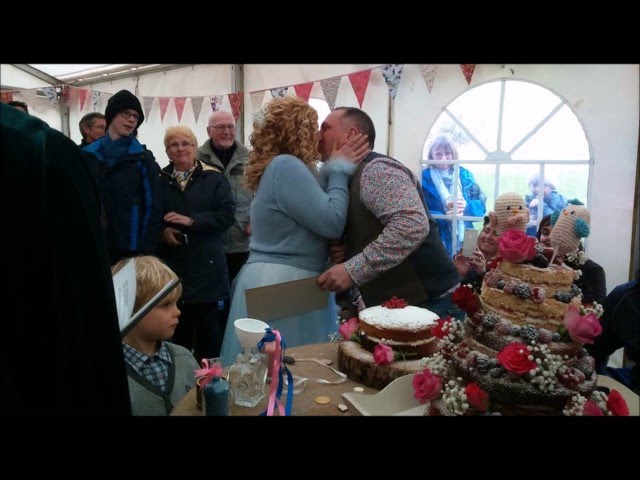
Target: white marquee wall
[{"x": 609, "y": 113}]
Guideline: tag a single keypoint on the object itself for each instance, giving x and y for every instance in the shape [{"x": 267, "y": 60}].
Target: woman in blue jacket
[{"x": 438, "y": 186}]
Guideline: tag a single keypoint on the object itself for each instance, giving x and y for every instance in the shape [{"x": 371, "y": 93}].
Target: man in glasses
[
  {"x": 128, "y": 179},
  {"x": 92, "y": 126},
  {"x": 224, "y": 152}
]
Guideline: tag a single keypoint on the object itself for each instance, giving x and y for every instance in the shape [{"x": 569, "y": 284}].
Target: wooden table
[{"x": 304, "y": 402}]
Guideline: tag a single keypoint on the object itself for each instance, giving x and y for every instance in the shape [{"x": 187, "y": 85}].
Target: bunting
[
  {"x": 428, "y": 72},
  {"x": 196, "y": 105},
  {"x": 216, "y": 102},
  {"x": 51, "y": 95},
  {"x": 83, "y": 94},
  {"x": 6, "y": 97},
  {"x": 94, "y": 100},
  {"x": 256, "y": 100},
  {"x": 467, "y": 70},
  {"x": 304, "y": 90},
  {"x": 235, "y": 99},
  {"x": 179, "y": 102},
  {"x": 330, "y": 88},
  {"x": 147, "y": 103},
  {"x": 360, "y": 82},
  {"x": 164, "y": 103},
  {"x": 392, "y": 73},
  {"x": 279, "y": 92}
]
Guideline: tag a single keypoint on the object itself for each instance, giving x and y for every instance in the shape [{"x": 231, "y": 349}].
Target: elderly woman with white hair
[{"x": 198, "y": 210}]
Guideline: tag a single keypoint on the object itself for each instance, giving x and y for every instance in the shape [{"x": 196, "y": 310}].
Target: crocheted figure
[
  {"x": 572, "y": 225},
  {"x": 510, "y": 213}
]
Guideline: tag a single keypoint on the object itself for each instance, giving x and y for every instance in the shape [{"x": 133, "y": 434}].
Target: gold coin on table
[
  {"x": 322, "y": 400},
  {"x": 325, "y": 361},
  {"x": 358, "y": 389}
]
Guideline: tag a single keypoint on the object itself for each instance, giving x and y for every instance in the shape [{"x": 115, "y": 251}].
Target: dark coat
[
  {"x": 62, "y": 353},
  {"x": 131, "y": 195},
  {"x": 201, "y": 263}
]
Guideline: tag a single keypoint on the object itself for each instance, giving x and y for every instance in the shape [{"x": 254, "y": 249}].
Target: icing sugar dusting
[{"x": 408, "y": 318}]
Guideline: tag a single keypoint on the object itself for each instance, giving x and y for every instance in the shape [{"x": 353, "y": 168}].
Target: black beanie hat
[{"x": 123, "y": 100}]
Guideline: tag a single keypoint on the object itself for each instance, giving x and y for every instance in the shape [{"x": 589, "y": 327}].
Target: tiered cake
[{"x": 519, "y": 350}]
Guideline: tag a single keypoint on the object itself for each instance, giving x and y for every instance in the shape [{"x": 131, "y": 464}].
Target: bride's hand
[{"x": 355, "y": 150}]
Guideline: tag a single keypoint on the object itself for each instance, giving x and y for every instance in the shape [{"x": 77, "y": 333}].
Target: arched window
[{"x": 510, "y": 136}]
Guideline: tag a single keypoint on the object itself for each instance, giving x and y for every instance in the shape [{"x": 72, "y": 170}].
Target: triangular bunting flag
[
  {"x": 279, "y": 92},
  {"x": 216, "y": 102},
  {"x": 256, "y": 99},
  {"x": 84, "y": 93},
  {"x": 196, "y": 105},
  {"x": 428, "y": 72},
  {"x": 304, "y": 90},
  {"x": 94, "y": 99},
  {"x": 164, "y": 103},
  {"x": 392, "y": 73},
  {"x": 178, "y": 102},
  {"x": 467, "y": 69},
  {"x": 65, "y": 94},
  {"x": 235, "y": 99},
  {"x": 360, "y": 82},
  {"x": 330, "y": 88},
  {"x": 147, "y": 103},
  {"x": 6, "y": 97},
  {"x": 51, "y": 94}
]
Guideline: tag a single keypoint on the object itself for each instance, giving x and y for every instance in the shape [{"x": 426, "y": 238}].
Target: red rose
[
  {"x": 426, "y": 386},
  {"x": 383, "y": 354},
  {"x": 515, "y": 358},
  {"x": 590, "y": 409},
  {"x": 348, "y": 328},
  {"x": 441, "y": 328},
  {"x": 464, "y": 298},
  {"x": 617, "y": 404},
  {"x": 477, "y": 398},
  {"x": 515, "y": 246}
]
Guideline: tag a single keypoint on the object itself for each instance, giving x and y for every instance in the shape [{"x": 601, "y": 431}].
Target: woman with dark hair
[
  {"x": 592, "y": 281},
  {"x": 472, "y": 269}
]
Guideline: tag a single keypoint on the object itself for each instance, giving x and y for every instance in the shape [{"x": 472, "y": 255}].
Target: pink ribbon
[
  {"x": 208, "y": 371},
  {"x": 274, "y": 349}
]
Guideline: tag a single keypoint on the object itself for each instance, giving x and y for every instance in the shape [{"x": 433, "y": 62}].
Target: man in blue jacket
[{"x": 128, "y": 179}]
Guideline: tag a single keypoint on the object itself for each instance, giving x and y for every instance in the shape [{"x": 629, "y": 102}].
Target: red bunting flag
[
  {"x": 304, "y": 90},
  {"x": 360, "y": 82},
  {"x": 178, "y": 102},
  {"x": 164, "y": 103},
  {"x": 235, "y": 99},
  {"x": 6, "y": 97},
  {"x": 467, "y": 69}
]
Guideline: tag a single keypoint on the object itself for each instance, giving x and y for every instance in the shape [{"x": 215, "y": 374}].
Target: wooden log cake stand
[{"x": 359, "y": 366}]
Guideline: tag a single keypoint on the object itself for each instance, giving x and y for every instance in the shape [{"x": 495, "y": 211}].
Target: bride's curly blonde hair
[{"x": 286, "y": 125}]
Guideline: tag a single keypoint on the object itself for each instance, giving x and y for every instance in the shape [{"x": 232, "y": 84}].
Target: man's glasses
[
  {"x": 127, "y": 114},
  {"x": 222, "y": 128},
  {"x": 185, "y": 144}
]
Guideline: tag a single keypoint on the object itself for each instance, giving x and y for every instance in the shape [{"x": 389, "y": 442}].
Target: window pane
[
  {"x": 561, "y": 138},
  {"x": 467, "y": 149},
  {"x": 525, "y": 106}
]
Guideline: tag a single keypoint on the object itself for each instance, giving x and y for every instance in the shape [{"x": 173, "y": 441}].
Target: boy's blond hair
[{"x": 152, "y": 274}]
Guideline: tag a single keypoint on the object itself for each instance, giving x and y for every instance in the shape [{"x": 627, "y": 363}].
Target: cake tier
[
  {"x": 515, "y": 394},
  {"x": 406, "y": 325},
  {"x": 357, "y": 363},
  {"x": 417, "y": 349},
  {"x": 557, "y": 276}
]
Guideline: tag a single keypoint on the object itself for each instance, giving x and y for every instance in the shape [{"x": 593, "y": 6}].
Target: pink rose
[
  {"x": 426, "y": 386},
  {"x": 582, "y": 329},
  {"x": 617, "y": 404},
  {"x": 348, "y": 328},
  {"x": 515, "y": 246},
  {"x": 515, "y": 358},
  {"x": 477, "y": 398},
  {"x": 590, "y": 409},
  {"x": 382, "y": 354}
]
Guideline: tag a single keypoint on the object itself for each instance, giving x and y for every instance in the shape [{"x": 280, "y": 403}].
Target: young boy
[{"x": 159, "y": 373}]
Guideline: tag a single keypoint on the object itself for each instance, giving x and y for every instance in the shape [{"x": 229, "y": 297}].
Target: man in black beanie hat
[{"x": 128, "y": 178}]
